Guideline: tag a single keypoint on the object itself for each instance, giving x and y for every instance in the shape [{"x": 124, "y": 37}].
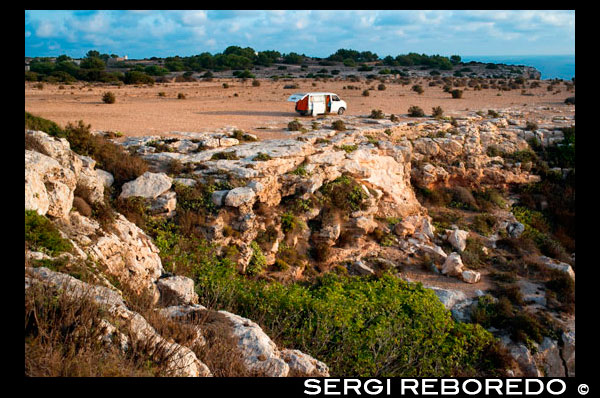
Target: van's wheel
[{"x": 341, "y": 111}]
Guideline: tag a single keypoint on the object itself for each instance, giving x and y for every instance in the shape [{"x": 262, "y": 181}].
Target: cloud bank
[{"x": 145, "y": 33}]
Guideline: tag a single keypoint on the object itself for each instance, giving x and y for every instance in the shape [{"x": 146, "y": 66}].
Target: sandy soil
[{"x": 140, "y": 111}]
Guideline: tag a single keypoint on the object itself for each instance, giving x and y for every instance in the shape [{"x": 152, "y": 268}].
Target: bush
[
  {"x": 255, "y": 83},
  {"x": 180, "y": 96},
  {"x": 377, "y": 114},
  {"x": 394, "y": 118},
  {"x": 437, "y": 112},
  {"x": 82, "y": 206},
  {"x": 110, "y": 156},
  {"x": 37, "y": 123},
  {"x": 365, "y": 93},
  {"x": 262, "y": 157},
  {"x": 338, "y": 125},
  {"x": 345, "y": 194},
  {"x": 42, "y": 235},
  {"x": 531, "y": 126},
  {"x": 63, "y": 337},
  {"x": 417, "y": 88},
  {"x": 294, "y": 125},
  {"x": 224, "y": 156},
  {"x": 258, "y": 261},
  {"x": 162, "y": 94},
  {"x": 381, "y": 87},
  {"x": 109, "y": 97},
  {"x": 415, "y": 111},
  {"x": 225, "y": 85},
  {"x": 456, "y": 93}
]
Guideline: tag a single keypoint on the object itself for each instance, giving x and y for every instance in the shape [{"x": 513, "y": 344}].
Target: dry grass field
[{"x": 140, "y": 110}]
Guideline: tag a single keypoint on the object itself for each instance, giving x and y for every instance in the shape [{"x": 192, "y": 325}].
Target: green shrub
[
  {"x": 294, "y": 125},
  {"x": 365, "y": 93},
  {"x": 483, "y": 223},
  {"x": 415, "y": 111},
  {"x": 109, "y": 97},
  {"x": 456, "y": 93},
  {"x": 394, "y": 118},
  {"x": 224, "y": 156},
  {"x": 181, "y": 96},
  {"x": 37, "y": 123},
  {"x": 344, "y": 193},
  {"x": 262, "y": 157},
  {"x": 377, "y": 114},
  {"x": 437, "y": 112},
  {"x": 110, "y": 156},
  {"x": 300, "y": 171},
  {"x": 42, "y": 235},
  {"x": 349, "y": 148},
  {"x": 255, "y": 83},
  {"x": 289, "y": 222},
  {"x": 381, "y": 87},
  {"x": 338, "y": 125},
  {"x": 258, "y": 261},
  {"x": 417, "y": 88}
]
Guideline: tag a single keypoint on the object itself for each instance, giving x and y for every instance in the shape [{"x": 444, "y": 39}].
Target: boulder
[
  {"x": 515, "y": 229},
  {"x": 164, "y": 203},
  {"x": 176, "y": 290},
  {"x": 457, "y": 238},
  {"x": 471, "y": 276},
  {"x": 127, "y": 253},
  {"x": 106, "y": 177},
  {"x": 148, "y": 185},
  {"x": 259, "y": 353},
  {"x": 303, "y": 365},
  {"x": 49, "y": 186},
  {"x": 557, "y": 265},
  {"x": 453, "y": 266},
  {"x": 239, "y": 196}
]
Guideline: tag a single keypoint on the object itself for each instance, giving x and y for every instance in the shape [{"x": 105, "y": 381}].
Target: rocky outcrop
[
  {"x": 179, "y": 360},
  {"x": 176, "y": 290},
  {"x": 148, "y": 185},
  {"x": 49, "y": 187},
  {"x": 259, "y": 354}
]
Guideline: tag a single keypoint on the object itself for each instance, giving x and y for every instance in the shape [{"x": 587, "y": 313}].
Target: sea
[{"x": 550, "y": 66}]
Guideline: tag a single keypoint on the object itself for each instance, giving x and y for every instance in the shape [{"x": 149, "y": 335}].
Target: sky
[{"x": 147, "y": 33}]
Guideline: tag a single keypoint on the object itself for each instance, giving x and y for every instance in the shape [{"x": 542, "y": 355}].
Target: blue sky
[{"x": 146, "y": 33}]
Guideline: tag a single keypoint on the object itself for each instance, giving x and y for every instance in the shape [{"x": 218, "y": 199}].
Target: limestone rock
[
  {"x": 176, "y": 290},
  {"x": 303, "y": 365},
  {"x": 49, "y": 187},
  {"x": 458, "y": 239},
  {"x": 148, "y": 185},
  {"x": 239, "y": 196},
  {"x": 471, "y": 276},
  {"x": 106, "y": 177},
  {"x": 259, "y": 354},
  {"x": 453, "y": 266},
  {"x": 128, "y": 253}
]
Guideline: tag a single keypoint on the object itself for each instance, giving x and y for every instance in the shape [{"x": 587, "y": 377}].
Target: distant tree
[
  {"x": 92, "y": 63},
  {"x": 92, "y": 54},
  {"x": 62, "y": 58},
  {"x": 455, "y": 59}
]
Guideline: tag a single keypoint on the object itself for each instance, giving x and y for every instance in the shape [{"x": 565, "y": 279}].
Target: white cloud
[{"x": 193, "y": 17}]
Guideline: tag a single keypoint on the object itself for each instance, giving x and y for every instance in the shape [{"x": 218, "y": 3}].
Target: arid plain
[{"x": 262, "y": 110}]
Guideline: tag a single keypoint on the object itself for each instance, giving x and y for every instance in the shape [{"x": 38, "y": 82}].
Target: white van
[{"x": 318, "y": 103}]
